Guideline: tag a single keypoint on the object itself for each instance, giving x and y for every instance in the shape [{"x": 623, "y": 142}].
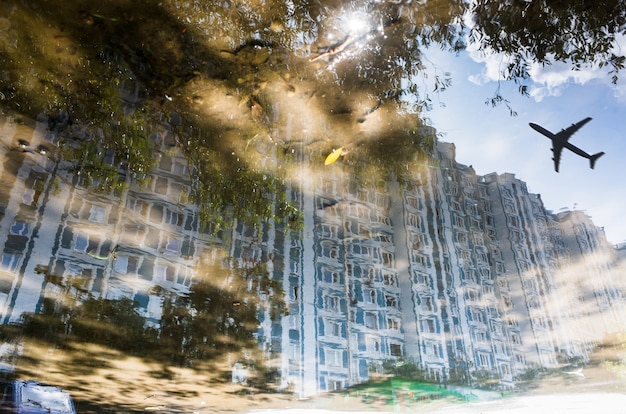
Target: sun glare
[{"x": 357, "y": 23}]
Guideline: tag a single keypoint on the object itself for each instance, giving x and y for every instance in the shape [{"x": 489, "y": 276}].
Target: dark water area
[{"x": 225, "y": 205}]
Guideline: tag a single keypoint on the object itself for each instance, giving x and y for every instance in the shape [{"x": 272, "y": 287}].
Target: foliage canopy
[{"x": 297, "y": 79}]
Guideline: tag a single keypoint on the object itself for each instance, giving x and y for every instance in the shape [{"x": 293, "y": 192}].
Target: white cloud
[
  {"x": 547, "y": 80},
  {"x": 493, "y": 62}
]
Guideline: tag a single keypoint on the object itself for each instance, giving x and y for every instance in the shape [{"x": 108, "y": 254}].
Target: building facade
[{"x": 467, "y": 276}]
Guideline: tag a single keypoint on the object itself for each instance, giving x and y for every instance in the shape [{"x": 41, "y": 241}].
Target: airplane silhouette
[{"x": 559, "y": 141}]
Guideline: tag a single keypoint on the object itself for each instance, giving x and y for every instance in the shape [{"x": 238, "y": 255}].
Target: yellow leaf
[{"x": 333, "y": 156}]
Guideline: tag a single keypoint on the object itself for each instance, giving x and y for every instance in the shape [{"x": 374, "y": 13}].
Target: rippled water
[{"x": 174, "y": 242}]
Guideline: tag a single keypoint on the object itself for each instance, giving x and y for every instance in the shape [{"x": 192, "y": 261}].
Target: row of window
[
  {"x": 333, "y": 303},
  {"x": 331, "y": 250}
]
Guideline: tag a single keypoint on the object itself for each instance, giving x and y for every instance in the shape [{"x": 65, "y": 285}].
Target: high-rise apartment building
[{"x": 467, "y": 276}]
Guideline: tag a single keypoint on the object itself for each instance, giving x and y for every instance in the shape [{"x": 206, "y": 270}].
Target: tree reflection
[
  {"x": 241, "y": 81},
  {"x": 580, "y": 33},
  {"x": 214, "y": 324}
]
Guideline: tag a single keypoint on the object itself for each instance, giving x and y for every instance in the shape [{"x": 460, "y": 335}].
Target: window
[
  {"x": 426, "y": 303},
  {"x": 161, "y": 185},
  {"x": 294, "y": 352},
  {"x": 484, "y": 360},
  {"x": 432, "y": 349},
  {"x": 422, "y": 279},
  {"x": 180, "y": 169},
  {"x": 421, "y": 259},
  {"x": 373, "y": 344},
  {"x": 362, "y": 250},
  {"x": 387, "y": 259},
  {"x": 489, "y": 220},
  {"x": 29, "y": 196},
  {"x": 172, "y": 245},
  {"x": 371, "y": 320},
  {"x": 333, "y": 328},
  {"x": 477, "y": 316},
  {"x": 82, "y": 276},
  {"x": 478, "y": 240},
  {"x": 10, "y": 262},
  {"x": 393, "y": 324},
  {"x": 529, "y": 284},
  {"x": 369, "y": 295},
  {"x": 461, "y": 237},
  {"x": 501, "y": 348},
  {"x": 135, "y": 205},
  {"x": 503, "y": 283},
  {"x": 383, "y": 238},
  {"x": 472, "y": 295},
  {"x": 412, "y": 202},
  {"x": 389, "y": 279},
  {"x": 165, "y": 273},
  {"x": 472, "y": 209},
  {"x": 331, "y": 303},
  {"x": 466, "y": 256},
  {"x": 486, "y": 273},
  {"x": 20, "y": 228},
  {"x": 121, "y": 264},
  {"x": 81, "y": 242},
  {"x": 328, "y": 250},
  {"x": 133, "y": 232},
  {"x": 334, "y": 357},
  {"x": 336, "y": 385},
  {"x": 329, "y": 276},
  {"x": 428, "y": 325},
  {"x": 178, "y": 192},
  {"x": 391, "y": 301},
  {"x": 413, "y": 220},
  {"x": 417, "y": 241},
  {"x": 359, "y": 211},
  {"x": 96, "y": 214},
  {"x": 381, "y": 218},
  {"x": 468, "y": 275},
  {"x": 347, "y": 227},
  {"x": 381, "y": 200},
  {"x": 459, "y": 222},
  {"x": 76, "y": 270},
  {"x": 173, "y": 218},
  {"x": 329, "y": 231},
  {"x": 395, "y": 350},
  {"x": 371, "y": 275}
]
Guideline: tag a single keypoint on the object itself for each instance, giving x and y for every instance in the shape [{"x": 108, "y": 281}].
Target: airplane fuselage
[{"x": 560, "y": 140}]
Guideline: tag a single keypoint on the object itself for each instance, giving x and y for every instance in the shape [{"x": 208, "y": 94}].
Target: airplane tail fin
[{"x": 594, "y": 158}]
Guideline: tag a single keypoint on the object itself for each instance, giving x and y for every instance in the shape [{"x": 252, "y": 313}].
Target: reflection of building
[
  {"x": 111, "y": 245},
  {"x": 468, "y": 276}
]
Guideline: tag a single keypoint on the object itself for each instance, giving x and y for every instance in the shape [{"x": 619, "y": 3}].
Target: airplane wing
[
  {"x": 566, "y": 133},
  {"x": 556, "y": 154}
]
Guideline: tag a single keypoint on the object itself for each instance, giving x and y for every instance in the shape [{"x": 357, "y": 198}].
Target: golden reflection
[{"x": 210, "y": 121}]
